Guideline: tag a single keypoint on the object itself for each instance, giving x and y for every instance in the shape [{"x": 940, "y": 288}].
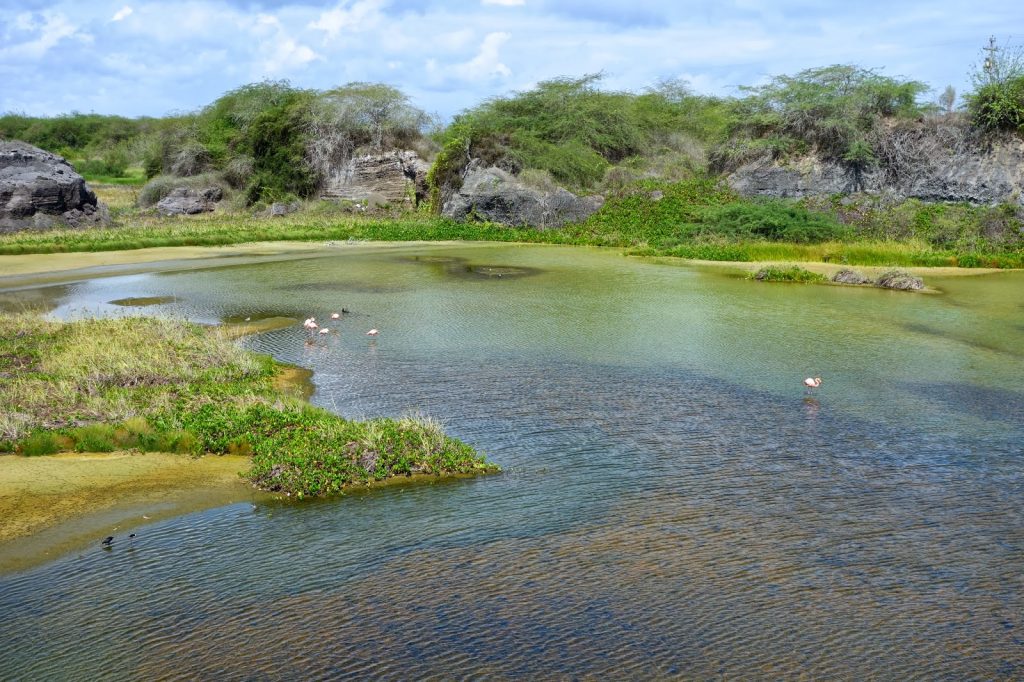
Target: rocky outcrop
[
  {"x": 188, "y": 201},
  {"x": 279, "y": 209},
  {"x": 398, "y": 177},
  {"x": 899, "y": 279},
  {"x": 40, "y": 190},
  {"x": 925, "y": 164},
  {"x": 491, "y": 194},
  {"x": 847, "y": 276}
]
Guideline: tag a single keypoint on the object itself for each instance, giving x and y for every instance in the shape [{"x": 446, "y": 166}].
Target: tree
[
  {"x": 947, "y": 99},
  {"x": 997, "y": 102},
  {"x": 374, "y": 114},
  {"x": 830, "y": 109}
]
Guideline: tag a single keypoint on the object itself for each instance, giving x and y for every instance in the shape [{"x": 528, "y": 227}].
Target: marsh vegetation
[{"x": 157, "y": 385}]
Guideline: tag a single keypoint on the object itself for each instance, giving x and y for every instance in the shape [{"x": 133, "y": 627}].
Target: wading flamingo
[
  {"x": 810, "y": 383},
  {"x": 325, "y": 330},
  {"x": 373, "y": 332},
  {"x": 335, "y": 316}
]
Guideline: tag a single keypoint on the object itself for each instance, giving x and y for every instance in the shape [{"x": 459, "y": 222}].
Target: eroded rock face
[
  {"x": 40, "y": 190},
  {"x": 188, "y": 201},
  {"x": 978, "y": 173},
  {"x": 398, "y": 177},
  {"x": 489, "y": 193}
]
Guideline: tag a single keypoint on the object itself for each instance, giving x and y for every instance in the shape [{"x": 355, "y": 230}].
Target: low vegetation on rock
[
  {"x": 147, "y": 384},
  {"x": 793, "y": 273}
]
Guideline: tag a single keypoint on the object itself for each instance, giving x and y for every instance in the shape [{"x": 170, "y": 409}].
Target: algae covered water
[{"x": 673, "y": 504}]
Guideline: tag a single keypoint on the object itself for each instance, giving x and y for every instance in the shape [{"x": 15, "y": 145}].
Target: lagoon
[{"x": 672, "y": 503}]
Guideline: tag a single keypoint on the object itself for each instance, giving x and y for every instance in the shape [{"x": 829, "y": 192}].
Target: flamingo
[
  {"x": 310, "y": 324},
  {"x": 810, "y": 383},
  {"x": 373, "y": 332},
  {"x": 335, "y": 316},
  {"x": 325, "y": 330}
]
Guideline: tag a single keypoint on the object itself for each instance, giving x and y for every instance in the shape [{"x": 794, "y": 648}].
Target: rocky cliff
[
  {"x": 492, "y": 194},
  {"x": 40, "y": 190},
  {"x": 929, "y": 163},
  {"x": 395, "y": 178}
]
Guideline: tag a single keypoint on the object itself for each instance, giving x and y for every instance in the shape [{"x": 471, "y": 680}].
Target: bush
[
  {"x": 997, "y": 102},
  {"x": 575, "y": 131},
  {"x": 998, "y": 106},
  {"x": 774, "y": 220},
  {"x": 40, "y": 443},
  {"x": 94, "y": 438},
  {"x": 793, "y": 273},
  {"x": 830, "y": 109}
]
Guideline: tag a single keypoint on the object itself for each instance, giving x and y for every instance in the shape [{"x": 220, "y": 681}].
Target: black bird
[{"x": 108, "y": 541}]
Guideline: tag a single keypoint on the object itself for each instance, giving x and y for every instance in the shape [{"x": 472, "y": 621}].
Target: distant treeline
[{"x": 271, "y": 141}]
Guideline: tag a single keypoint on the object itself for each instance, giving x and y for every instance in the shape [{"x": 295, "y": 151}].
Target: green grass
[
  {"x": 169, "y": 386},
  {"x": 698, "y": 218},
  {"x": 135, "y": 177}
]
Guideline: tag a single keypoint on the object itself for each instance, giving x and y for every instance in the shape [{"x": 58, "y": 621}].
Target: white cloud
[
  {"x": 286, "y": 54},
  {"x": 122, "y": 13},
  {"x": 362, "y": 15},
  {"x": 50, "y": 27},
  {"x": 280, "y": 52},
  {"x": 487, "y": 62}
]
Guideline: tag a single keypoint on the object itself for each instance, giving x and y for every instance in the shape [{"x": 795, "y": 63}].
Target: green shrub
[
  {"x": 997, "y": 101},
  {"x": 94, "y": 438},
  {"x": 40, "y": 443},
  {"x": 793, "y": 273},
  {"x": 773, "y": 220},
  {"x": 574, "y": 130},
  {"x": 998, "y": 106},
  {"x": 830, "y": 109}
]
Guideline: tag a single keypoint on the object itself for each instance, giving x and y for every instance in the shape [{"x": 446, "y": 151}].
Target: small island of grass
[{"x": 155, "y": 385}]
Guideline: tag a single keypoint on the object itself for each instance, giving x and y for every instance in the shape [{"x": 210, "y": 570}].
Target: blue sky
[{"x": 138, "y": 57}]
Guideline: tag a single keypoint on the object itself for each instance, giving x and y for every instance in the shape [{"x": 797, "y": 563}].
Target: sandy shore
[
  {"x": 56, "y": 504},
  {"x": 44, "y": 267}
]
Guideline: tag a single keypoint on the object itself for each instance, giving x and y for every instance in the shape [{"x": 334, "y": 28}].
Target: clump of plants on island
[
  {"x": 793, "y": 273},
  {"x": 149, "y": 385}
]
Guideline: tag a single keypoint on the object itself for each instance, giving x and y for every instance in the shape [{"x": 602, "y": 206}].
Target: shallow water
[{"x": 672, "y": 503}]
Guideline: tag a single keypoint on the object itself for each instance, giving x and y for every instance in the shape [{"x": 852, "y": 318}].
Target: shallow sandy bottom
[{"x": 56, "y": 504}]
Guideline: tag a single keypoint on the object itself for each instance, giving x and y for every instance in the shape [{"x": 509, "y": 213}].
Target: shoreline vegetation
[
  {"x": 695, "y": 219},
  {"x": 660, "y": 158},
  {"x": 166, "y": 386}
]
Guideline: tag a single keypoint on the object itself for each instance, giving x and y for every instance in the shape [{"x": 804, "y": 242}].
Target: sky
[{"x": 139, "y": 57}]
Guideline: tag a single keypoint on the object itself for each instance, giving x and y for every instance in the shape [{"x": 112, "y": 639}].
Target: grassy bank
[
  {"x": 168, "y": 386},
  {"x": 697, "y": 218}
]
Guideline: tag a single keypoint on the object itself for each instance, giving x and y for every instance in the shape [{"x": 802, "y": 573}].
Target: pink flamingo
[
  {"x": 325, "y": 330},
  {"x": 373, "y": 332},
  {"x": 335, "y": 316},
  {"x": 810, "y": 383}
]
